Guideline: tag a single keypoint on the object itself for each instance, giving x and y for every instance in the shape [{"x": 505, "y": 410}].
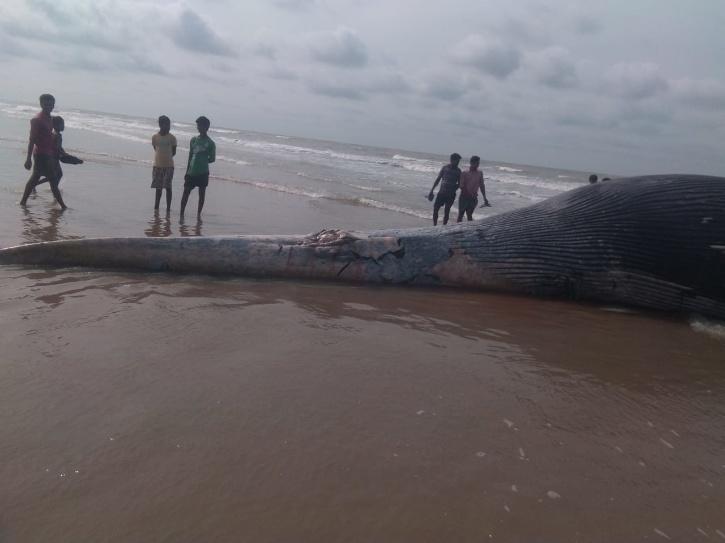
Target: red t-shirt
[{"x": 41, "y": 134}]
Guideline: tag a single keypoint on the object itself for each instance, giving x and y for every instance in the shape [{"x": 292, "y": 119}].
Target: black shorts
[
  {"x": 445, "y": 198},
  {"x": 192, "y": 181},
  {"x": 467, "y": 203},
  {"x": 45, "y": 166}
]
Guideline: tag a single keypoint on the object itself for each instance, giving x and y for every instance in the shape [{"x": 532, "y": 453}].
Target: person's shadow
[{"x": 158, "y": 226}]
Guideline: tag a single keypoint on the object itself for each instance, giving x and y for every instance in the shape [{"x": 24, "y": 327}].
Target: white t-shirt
[{"x": 163, "y": 145}]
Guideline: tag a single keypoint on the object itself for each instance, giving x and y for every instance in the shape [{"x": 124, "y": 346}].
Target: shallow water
[{"x": 152, "y": 407}]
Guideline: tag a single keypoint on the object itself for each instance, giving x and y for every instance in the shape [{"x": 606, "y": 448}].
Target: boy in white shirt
[{"x": 164, "y": 145}]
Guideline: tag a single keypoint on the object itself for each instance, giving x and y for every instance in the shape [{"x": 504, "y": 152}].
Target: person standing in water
[
  {"x": 162, "y": 174},
  {"x": 471, "y": 183},
  {"x": 450, "y": 175},
  {"x": 42, "y": 151},
  {"x": 202, "y": 152},
  {"x": 593, "y": 179}
]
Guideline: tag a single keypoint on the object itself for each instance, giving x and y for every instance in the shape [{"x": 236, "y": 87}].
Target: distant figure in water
[
  {"x": 606, "y": 179},
  {"x": 202, "y": 152},
  {"x": 450, "y": 175},
  {"x": 162, "y": 174},
  {"x": 593, "y": 179},
  {"x": 40, "y": 147},
  {"x": 60, "y": 154},
  {"x": 471, "y": 183}
]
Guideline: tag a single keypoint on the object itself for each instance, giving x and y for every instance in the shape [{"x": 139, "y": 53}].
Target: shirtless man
[
  {"x": 450, "y": 174},
  {"x": 471, "y": 183}
]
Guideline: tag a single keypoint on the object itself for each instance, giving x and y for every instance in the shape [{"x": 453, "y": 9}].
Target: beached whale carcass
[{"x": 655, "y": 242}]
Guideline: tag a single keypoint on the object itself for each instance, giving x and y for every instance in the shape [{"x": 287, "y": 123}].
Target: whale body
[{"x": 654, "y": 242}]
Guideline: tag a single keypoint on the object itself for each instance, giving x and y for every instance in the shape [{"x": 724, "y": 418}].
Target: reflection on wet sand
[
  {"x": 588, "y": 331},
  {"x": 187, "y": 230},
  {"x": 159, "y": 226},
  {"x": 43, "y": 223}
]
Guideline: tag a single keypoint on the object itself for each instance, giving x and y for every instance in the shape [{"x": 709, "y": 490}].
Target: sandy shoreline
[{"x": 112, "y": 201}]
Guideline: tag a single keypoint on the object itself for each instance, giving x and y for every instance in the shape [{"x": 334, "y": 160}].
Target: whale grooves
[{"x": 655, "y": 242}]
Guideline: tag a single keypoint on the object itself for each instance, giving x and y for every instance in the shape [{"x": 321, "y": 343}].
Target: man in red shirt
[
  {"x": 42, "y": 150},
  {"x": 471, "y": 183}
]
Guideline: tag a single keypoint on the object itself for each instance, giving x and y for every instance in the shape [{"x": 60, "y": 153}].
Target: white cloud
[
  {"x": 554, "y": 67},
  {"x": 357, "y": 85},
  {"x": 636, "y": 80},
  {"x": 587, "y": 25},
  {"x": 444, "y": 85},
  {"x": 342, "y": 48},
  {"x": 335, "y": 90},
  {"x": 489, "y": 56},
  {"x": 194, "y": 34},
  {"x": 386, "y": 82},
  {"x": 282, "y": 74},
  {"x": 294, "y": 5},
  {"x": 705, "y": 93}
]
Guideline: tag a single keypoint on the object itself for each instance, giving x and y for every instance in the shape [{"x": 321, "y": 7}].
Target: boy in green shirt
[{"x": 202, "y": 152}]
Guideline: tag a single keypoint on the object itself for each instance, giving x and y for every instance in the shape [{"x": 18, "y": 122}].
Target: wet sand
[
  {"x": 111, "y": 199},
  {"x": 164, "y": 408}
]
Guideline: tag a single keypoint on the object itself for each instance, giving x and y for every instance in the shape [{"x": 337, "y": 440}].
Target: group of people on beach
[
  {"x": 46, "y": 153},
  {"x": 45, "y": 146}
]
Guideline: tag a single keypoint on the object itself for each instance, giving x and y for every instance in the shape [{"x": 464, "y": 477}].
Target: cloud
[
  {"x": 193, "y": 34},
  {"x": 336, "y": 91},
  {"x": 342, "y": 48},
  {"x": 491, "y": 57},
  {"x": 637, "y": 80},
  {"x": 554, "y": 68},
  {"x": 294, "y": 5},
  {"x": 444, "y": 86},
  {"x": 103, "y": 61},
  {"x": 644, "y": 118},
  {"x": 360, "y": 85},
  {"x": 11, "y": 48},
  {"x": 282, "y": 74},
  {"x": 77, "y": 33},
  {"x": 587, "y": 25},
  {"x": 53, "y": 11},
  {"x": 265, "y": 50},
  {"x": 705, "y": 93},
  {"x": 386, "y": 83}
]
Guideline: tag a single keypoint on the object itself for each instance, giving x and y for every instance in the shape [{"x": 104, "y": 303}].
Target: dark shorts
[
  {"x": 45, "y": 166},
  {"x": 445, "y": 198},
  {"x": 192, "y": 181},
  {"x": 467, "y": 203}
]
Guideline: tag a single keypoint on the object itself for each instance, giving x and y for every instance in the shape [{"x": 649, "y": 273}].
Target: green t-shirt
[{"x": 202, "y": 152}]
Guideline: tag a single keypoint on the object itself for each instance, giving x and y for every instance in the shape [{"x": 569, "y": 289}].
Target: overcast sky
[{"x": 623, "y": 86}]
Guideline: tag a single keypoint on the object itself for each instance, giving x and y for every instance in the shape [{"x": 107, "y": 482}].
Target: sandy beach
[{"x": 154, "y": 407}]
